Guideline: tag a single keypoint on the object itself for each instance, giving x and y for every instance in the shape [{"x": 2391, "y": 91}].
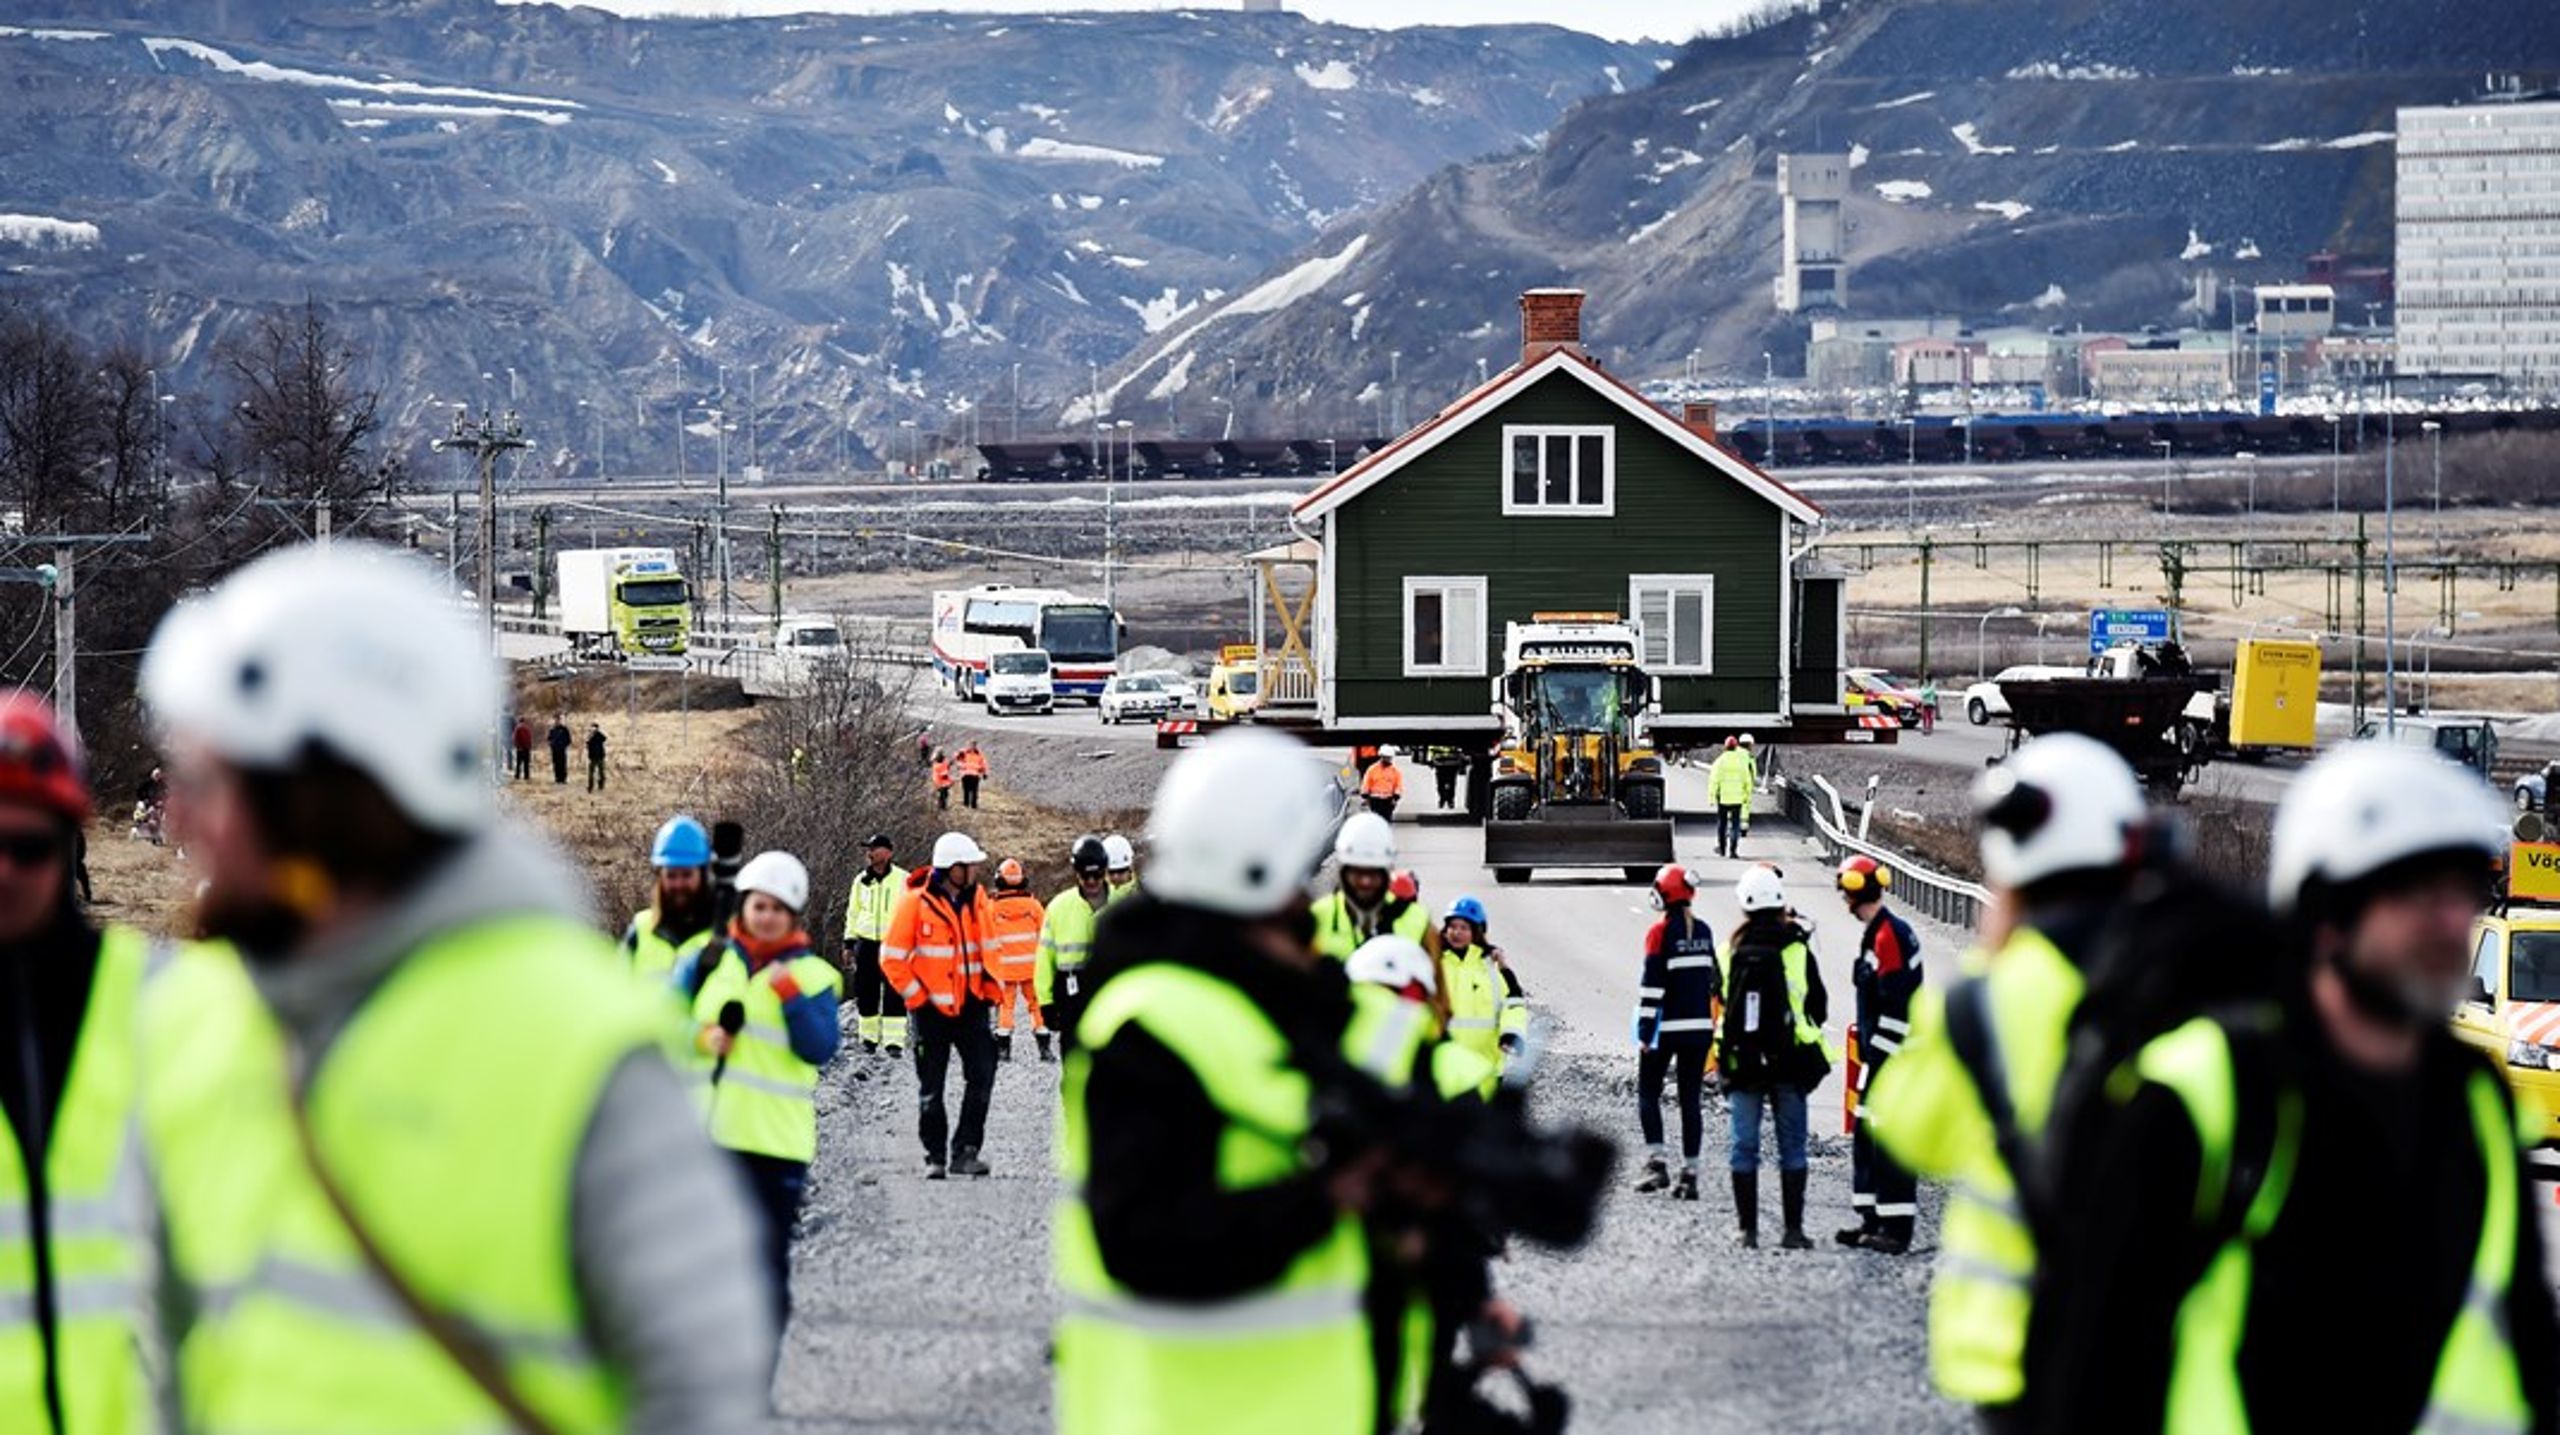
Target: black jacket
[
  {"x": 1676, "y": 1004},
  {"x": 1886, "y": 975}
]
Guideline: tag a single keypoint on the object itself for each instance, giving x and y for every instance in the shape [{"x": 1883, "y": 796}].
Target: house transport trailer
[
  {"x": 624, "y": 602},
  {"x": 972, "y": 625}
]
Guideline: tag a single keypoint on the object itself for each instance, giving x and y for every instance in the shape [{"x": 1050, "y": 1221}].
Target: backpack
[{"x": 1757, "y": 1042}]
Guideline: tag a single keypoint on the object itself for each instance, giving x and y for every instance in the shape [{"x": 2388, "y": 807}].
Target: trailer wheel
[
  {"x": 1512, "y": 804},
  {"x": 1644, "y": 801},
  {"x": 1510, "y": 876}
]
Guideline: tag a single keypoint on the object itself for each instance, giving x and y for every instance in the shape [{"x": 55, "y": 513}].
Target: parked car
[
  {"x": 1020, "y": 682},
  {"x": 1134, "y": 695},
  {"x": 1878, "y": 689},
  {"x": 2533, "y": 789},
  {"x": 1184, "y": 692},
  {"x": 2510, "y": 1011},
  {"x": 1983, "y": 702}
]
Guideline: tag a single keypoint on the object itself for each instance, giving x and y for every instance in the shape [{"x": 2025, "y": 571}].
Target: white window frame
[
  {"x": 1469, "y": 664},
  {"x": 1702, "y": 583},
  {"x": 1607, "y": 507}
]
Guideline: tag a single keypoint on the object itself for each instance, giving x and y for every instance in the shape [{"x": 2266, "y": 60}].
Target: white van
[{"x": 1020, "y": 682}]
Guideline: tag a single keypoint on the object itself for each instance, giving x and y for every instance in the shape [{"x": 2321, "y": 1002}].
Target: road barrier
[{"x": 1816, "y": 807}]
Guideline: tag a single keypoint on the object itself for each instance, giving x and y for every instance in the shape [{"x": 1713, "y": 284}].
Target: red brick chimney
[
  {"x": 1698, "y": 416},
  {"x": 1550, "y": 319}
]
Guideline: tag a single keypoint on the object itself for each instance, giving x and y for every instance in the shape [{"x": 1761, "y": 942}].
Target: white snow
[
  {"x": 1068, "y": 287},
  {"x": 1089, "y": 246},
  {"x": 231, "y": 64},
  {"x": 1640, "y": 147},
  {"x": 1427, "y": 97},
  {"x": 2051, "y": 298},
  {"x": 2008, "y": 209},
  {"x": 1360, "y": 320},
  {"x": 951, "y": 114},
  {"x": 1675, "y": 159},
  {"x": 1128, "y": 261},
  {"x": 1273, "y": 295},
  {"x": 1161, "y": 312},
  {"x": 1701, "y": 107},
  {"x": 995, "y": 138},
  {"x": 2360, "y": 140},
  {"x": 1175, "y": 379},
  {"x": 1971, "y": 138},
  {"x": 1645, "y": 232},
  {"x": 17, "y": 32},
  {"x": 1905, "y": 100},
  {"x": 2196, "y": 246},
  {"x": 2251, "y": 72},
  {"x": 43, "y": 231},
  {"x": 1903, "y": 191},
  {"x": 1038, "y": 111},
  {"x": 2279, "y": 146},
  {"x": 2051, "y": 70},
  {"x": 2248, "y": 250},
  {"x": 1857, "y": 155},
  {"x": 445, "y": 114},
  {"x": 1331, "y": 75},
  {"x": 666, "y": 172},
  {"x": 1617, "y": 83},
  {"x": 1057, "y": 201},
  {"x": 1044, "y": 148},
  {"x": 2121, "y": 146},
  {"x": 1088, "y": 202}
]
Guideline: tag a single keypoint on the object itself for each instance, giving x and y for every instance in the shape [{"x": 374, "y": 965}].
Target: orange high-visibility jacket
[
  {"x": 973, "y": 763},
  {"x": 1013, "y": 935},
  {"x": 942, "y": 772},
  {"x": 1383, "y": 779},
  {"x": 935, "y": 951}
]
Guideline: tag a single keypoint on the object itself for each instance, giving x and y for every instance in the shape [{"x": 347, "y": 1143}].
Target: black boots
[
  {"x": 1746, "y": 1207},
  {"x": 1857, "y": 1235},
  {"x": 1791, "y": 1200},
  {"x": 1042, "y": 1038},
  {"x": 1004, "y": 1047},
  {"x": 1656, "y": 1176},
  {"x": 965, "y": 1162},
  {"x": 1687, "y": 1188}
]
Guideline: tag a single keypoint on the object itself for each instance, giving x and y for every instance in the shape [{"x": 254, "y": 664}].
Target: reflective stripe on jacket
[
  {"x": 1014, "y": 924},
  {"x": 1485, "y": 1002},
  {"x": 1066, "y": 940},
  {"x": 1341, "y": 928},
  {"x": 869, "y": 902},
  {"x": 766, "y": 1101},
  {"x": 937, "y": 951}
]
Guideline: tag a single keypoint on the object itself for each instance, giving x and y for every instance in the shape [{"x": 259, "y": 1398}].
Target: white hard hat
[
  {"x": 1117, "y": 852},
  {"x": 2369, "y": 805},
  {"x": 1394, "y": 962},
  {"x": 355, "y": 648},
  {"x": 1366, "y": 840},
  {"x": 1761, "y": 889},
  {"x": 1238, "y": 825},
  {"x": 2062, "y": 803},
  {"x": 778, "y": 875},
  {"x": 1389, "y": 751},
  {"x": 1749, "y": 741},
  {"x": 953, "y": 848}
]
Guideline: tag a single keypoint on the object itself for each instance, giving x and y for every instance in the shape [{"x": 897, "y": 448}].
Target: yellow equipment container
[{"x": 2275, "y": 693}]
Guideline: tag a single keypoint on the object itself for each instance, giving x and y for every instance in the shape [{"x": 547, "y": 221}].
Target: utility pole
[
  {"x": 773, "y": 560},
  {"x": 1926, "y": 553},
  {"x": 541, "y": 560},
  {"x": 2361, "y": 547},
  {"x": 453, "y": 540},
  {"x": 66, "y": 640},
  {"x": 2390, "y": 578},
  {"x": 485, "y": 439}
]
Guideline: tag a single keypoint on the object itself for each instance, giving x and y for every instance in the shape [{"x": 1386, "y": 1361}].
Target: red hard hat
[
  {"x": 1862, "y": 876},
  {"x": 1405, "y": 887},
  {"x": 1674, "y": 884},
  {"x": 38, "y": 768},
  {"x": 1729, "y": 742}
]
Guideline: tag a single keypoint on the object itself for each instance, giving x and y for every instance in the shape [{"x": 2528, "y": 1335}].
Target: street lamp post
[
  {"x": 1111, "y": 521},
  {"x": 2166, "y": 473},
  {"x": 2337, "y": 473},
  {"x": 1769, "y": 411},
  {"x": 2249, "y": 466},
  {"x": 1981, "y": 668},
  {"x": 1395, "y": 388},
  {"x": 2390, "y": 574},
  {"x": 914, "y": 448},
  {"x": 752, "y": 457},
  {"x": 2435, "y": 457},
  {"x": 1013, "y": 428},
  {"x": 1332, "y": 459},
  {"x": 1911, "y": 469}
]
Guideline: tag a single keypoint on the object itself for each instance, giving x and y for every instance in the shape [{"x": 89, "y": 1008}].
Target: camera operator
[{"x": 1226, "y": 1261}]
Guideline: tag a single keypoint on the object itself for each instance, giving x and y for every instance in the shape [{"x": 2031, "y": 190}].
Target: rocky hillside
[
  {"x": 2036, "y": 161},
  {"x": 885, "y": 217}
]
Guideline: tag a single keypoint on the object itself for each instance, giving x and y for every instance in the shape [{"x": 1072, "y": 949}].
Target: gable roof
[{"x": 1369, "y": 472}]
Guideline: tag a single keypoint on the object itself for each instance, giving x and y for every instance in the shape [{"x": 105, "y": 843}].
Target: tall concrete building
[
  {"x": 2478, "y": 282},
  {"x": 1813, "y": 272}
]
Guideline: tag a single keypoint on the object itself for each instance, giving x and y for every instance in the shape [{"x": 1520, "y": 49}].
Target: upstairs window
[{"x": 1562, "y": 472}]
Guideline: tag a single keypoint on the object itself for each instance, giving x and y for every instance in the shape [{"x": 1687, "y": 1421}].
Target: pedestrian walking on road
[
  {"x": 1382, "y": 786},
  {"x": 1676, "y": 1001},
  {"x": 936, "y": 957},
  {"x": 1066, "y": 939},
  {"x": 412, "y": 1076},
  {"x": 1729, "y": 783},
  {"x": 1447, "y": 766},
  {"x": 880, "y": 1019},
  {"x": 1770, "y": 1050},
  {"x": 941, "y": 782},
  {"x": 595, "y": 757},
  {"x": 1886, "y": 976},
  {"x": 1016, "y": 918},
  {"x": 560, "y": 741},
  {"x": 972, "y": 768},
  {"x": 76, "y": 1272},
  {"x": 2337, "y": 1161},
  {"x": 524, "y": 750},
  {"x": 764, "y": 1004}
]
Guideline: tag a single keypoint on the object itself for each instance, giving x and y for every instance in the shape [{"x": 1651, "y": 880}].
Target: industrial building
[
  {"x": 1813, "y": 269},
  {"x": 2478, "y": 221}
]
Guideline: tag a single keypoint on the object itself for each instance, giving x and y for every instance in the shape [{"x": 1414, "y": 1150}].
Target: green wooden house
[{"x": 1556, "y": 487}]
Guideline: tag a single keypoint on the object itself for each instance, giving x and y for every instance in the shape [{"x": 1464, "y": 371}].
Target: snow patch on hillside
[
  {"x": 1044, "y": 148},
  {"x": 2009, "y": 209},
  {"x": 1903, "y": 191},
  {"x": 1971, "y": 138},
  {"x": 43, "y": 231},
  {"x": 1177, "y": 378},
  {"x": 230, "y": 64},
  {"x": 1273, "y": 295},
  {"x": 445, "y": 115},
  {"x": 2051, "y": 298},
  {"x": 1161, "y": 312},
  {"x": 2196, "y": 248},
  {"x": 2055, "y": 70},
  {"x": 1331, "y": 75},
  {"x": 20, "y": 32},
  {"x": 1905, "y": 100}
]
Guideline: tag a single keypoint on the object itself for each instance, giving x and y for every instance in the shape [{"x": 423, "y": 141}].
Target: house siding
[{"x": 1442, "y": 516}]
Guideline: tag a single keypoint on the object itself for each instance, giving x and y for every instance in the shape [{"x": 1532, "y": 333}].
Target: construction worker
[
  {"x": 2060, "y": 820},
  {"x": 413, "y": 1092},
  {"x": 941, "y": 781},
  {"x": 1066, "y": 938},
  {"x": 1749, "y": 747},
  {"x": 935, "y": 956},
  {"x": 971, "y": 766},
  {"x": 72, "y": 1313},
  {"x": 1729, "y": 783},
  {"x": 879, "y": 1020},
  {"x": 1395, "y": 965},
  {"x": 678, "y": 921},
  {"x": 2333, "y": 1162},
  {"x": 1123, "y": 857},
  {"x": 1447, "y": 766},
  {"x": 1382, "y": 785},
  {"x": 1675, "y": 1028},
  {"x": 1364, "y": 852},
  {"x": 1216, "y": 1277},
  {"x": 1770, "y": 1050},
  {"x": 765, "y": 1004},
  {"x": 1488, "y": 1012},
  {"x": 1886, "y": 975},
  {"x": 1015, "y": 919}
]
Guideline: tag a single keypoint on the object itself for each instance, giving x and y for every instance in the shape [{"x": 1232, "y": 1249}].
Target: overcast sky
[{"x": 1622, "y": 19}]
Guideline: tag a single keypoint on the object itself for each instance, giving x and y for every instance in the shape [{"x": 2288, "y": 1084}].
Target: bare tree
[{"x": 302, "y": 424}]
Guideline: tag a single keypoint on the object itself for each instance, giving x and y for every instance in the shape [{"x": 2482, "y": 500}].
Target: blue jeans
[{"x": 1742, "y": 1119}]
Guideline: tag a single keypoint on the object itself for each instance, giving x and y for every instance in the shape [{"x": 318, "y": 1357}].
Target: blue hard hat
[
  {"x": 1470, "y": 910},
  {"x": 682, "y": 842}
]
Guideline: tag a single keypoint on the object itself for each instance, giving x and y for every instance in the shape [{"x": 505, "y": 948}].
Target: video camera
[{"x": 728, "y": 854}]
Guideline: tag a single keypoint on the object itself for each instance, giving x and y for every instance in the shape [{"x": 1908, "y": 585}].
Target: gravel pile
[{"x": 925, "y": 1305}]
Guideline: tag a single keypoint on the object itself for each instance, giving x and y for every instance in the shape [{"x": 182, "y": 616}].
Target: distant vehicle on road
[
  {"x": 1178, "y": 685},
  {"x": 2472, "y": 742},
  {"x": 1983, "y": 701},
  {"x": 1020, "y": 682},
  {"x": 617, "y": 602},
  {"x": 1235, "y": 684},
  {"x": 972, "y": 625},
  {"x": 1881, "y": 691},
  {"x": 1134, "y": 695},
  {"x": 803, "y": 651}
]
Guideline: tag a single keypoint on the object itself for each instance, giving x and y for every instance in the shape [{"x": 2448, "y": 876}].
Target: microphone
[{"x": 733, "y": 1019}]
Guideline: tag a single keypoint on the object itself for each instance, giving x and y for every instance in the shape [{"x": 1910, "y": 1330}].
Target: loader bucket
[{"x": 1623, "y": 843}]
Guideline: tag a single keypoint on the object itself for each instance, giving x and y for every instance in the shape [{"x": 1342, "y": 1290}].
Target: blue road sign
[
  {"x": 2110, "y": 626},
  {"x": 2267, "y": 389}
]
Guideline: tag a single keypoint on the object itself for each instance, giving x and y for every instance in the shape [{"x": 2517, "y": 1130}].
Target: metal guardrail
[{"x": 1935, "y": 895}]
